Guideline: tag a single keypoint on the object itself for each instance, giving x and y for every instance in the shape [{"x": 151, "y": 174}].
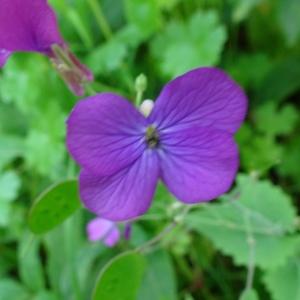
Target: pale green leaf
[
  {"x": 284, "y": 282},
  {"x": 288, "y": 15},
  {"x": 273, "y": 121},
  {"x": 9, "y": 186},
  {"x": 12, "y": 290},
  {"x": 258, "y": 212},
  {"x": 30, "y": 264},
  {"x": 186, "y": 45},
  {"x": 250, "y": 294},
  {"x": 143, "y": 14},
  {"x": 159, "y": 280}
]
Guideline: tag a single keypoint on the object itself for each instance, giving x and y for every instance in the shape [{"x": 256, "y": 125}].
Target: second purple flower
[{"x": 186, "y": 141}]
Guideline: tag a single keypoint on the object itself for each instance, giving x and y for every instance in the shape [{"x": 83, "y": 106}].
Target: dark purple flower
[
  {"x": 186, "y": 141},
  {"x": 31, "y": 25},
  {"x": 100, "y": 229}
]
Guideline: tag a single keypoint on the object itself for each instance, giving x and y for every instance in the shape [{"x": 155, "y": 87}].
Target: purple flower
[
  {"x": 31, "y": 25},
  {"x": 186, "y": 141},
  {"x": 103, "y": 230}
]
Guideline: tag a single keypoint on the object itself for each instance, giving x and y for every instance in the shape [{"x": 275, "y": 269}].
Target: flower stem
[
  {"x": 101, "y": 20},
  {"x": 166, "y": 230}
]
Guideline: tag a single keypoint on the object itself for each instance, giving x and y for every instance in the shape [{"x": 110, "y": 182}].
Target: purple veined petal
[
  {"x": 198, "y": 164},
  {"x": 112, "y": 237},
  {"x": 27, "y": 25},
  {"x": 4, "y": 55},
  {"x": 125, "y": 195},
  {"x": 98, "y": 228},
  {"x": 204, "y": 97},
  {"x": 105, "y": 133}
]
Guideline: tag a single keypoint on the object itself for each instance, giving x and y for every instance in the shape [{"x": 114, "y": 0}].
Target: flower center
[{"x": 152, "y": 137}]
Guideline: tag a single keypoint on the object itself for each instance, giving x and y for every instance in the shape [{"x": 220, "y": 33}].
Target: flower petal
[
  {"x": 98, "y": 228},
  {"x": 105, "y": 133},
  {"x": 124, "y": 195},
  {"x": 112, "y": 237},
  {"x": 204, "y": 97},
  {"x": 4, "y": 55},
  {"x": 198, "y": 164},
  {"x": 27, "y": 25}
]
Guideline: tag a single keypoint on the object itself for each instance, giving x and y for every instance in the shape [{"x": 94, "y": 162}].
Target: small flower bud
[
  {"x": 146, "y": 107},
  {"x": 141, "y": 83}
]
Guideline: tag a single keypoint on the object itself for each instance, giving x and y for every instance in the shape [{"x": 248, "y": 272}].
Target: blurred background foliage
[{"x": 215, "y": 249}]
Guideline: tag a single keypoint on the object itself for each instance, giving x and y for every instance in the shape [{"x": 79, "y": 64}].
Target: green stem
[{"x": 101, "y": 20}]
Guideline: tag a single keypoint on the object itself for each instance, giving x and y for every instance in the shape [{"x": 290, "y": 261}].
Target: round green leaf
[
  {"x": 121, "y": 278},
  {"x": 54, "y": 206}
]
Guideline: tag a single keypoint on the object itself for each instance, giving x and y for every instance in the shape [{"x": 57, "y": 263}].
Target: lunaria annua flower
[
  {"x": 186, "y": 141},
  {"x": 106, "y": 231},
  {"x": 31, "y": 26},
  {"x": 100, "y": 229}
]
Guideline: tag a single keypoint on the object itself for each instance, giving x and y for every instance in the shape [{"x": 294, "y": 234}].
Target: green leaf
[
  {"x": 249, "y": 295},
  {"x": 249, "y": 69},
  {"x": 107, "y": 57},
  {"x": 289, "y": 166},
  {"x": 11, "y": 290},
  {"x": 159, "y": 279},
  {"x": 121, "y": 278},
  {"x": 54, "y": 206},
  {"x": 145, "y": 15},
  {"x": 10, "y": 148},
  {"x": 288, "y": 16},
  {"x": 9, "y": 186},
  {"x": 195, "y": 43},
  {"x": 284, "y": 282},
  {"x": 271, "y": 121},
  {"x": 30, "y": 265},
  {"x": 262, "y": 213},
  {"x": 258, "y": 152},
  {"x": 44, "y": 154},
  {"x": 243, "y": 8},
  {"x": 45, "y": 295},
  {"x": 281, "y": 81}
]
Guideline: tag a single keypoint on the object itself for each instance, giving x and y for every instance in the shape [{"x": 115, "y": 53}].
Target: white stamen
[{"x": 146, "y": 107}]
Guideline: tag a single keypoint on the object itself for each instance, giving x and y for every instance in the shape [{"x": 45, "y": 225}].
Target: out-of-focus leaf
[
  {"x": 262, "y": 213},
  {"x": 289, "y": 166},
  {"x": 54, "y": 206},
  {"x": 44, "y": 154},
  {"x": 249, "y": 295},
  {"x": 45, "y": 295},
  {"x": 9, "y": 186},
  {"x": 242, "y": 9},
  {"x": 112, "y": 284},
  {"x": 284, "y": 282},
  {"x": 159, "y": 279},
  {"x": 107, "y": 57},
  {"x": 66, "y": 267},
  {"x": 258, "y": 152},
  {"x": 143, "y": 14},
  {"x": 30, "y": 265},
  {"x": 12, "y": 290},
  {"x": 10, "y": 148},
  {"x": 288, "y": 15},
  {"x": 186, "y": 45},
  {"x": 271, "y": 121},
  {"x": 281, "y": 81},
  {"x": 250, "y": 69}
]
